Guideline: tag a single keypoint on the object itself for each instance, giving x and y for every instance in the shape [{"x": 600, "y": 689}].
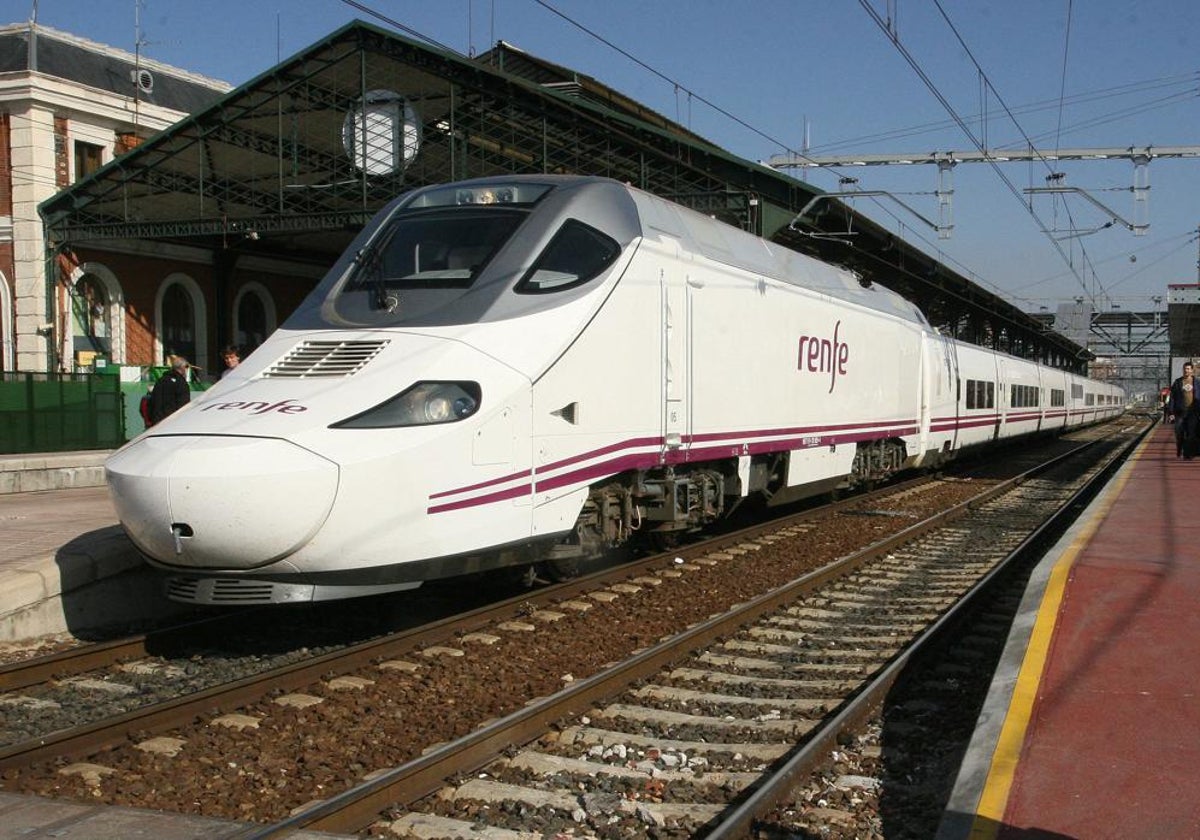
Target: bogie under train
[{"x": 533, "y": 370}]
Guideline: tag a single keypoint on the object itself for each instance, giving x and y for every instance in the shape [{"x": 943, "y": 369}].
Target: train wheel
[
  {"x": 665, "y": 540},
  {"x": 561, "y": 568},
  {"x": 528, "y": 576}
]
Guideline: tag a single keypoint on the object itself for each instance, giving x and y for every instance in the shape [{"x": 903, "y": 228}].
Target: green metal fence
[{"x": 46, "y": 412}]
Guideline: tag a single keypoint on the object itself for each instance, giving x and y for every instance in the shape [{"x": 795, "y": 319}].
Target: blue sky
[{"x": 1127, "y": 74}]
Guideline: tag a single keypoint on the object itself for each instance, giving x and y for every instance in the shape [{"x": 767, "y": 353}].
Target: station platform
[
  {"x": 52, "y": 471},
  {"x": 66, "y": 567},
  {"x": 1092, "y": 725}
]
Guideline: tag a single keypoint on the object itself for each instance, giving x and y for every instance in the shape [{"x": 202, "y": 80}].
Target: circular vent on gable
[{"x": 144, "y": 80}]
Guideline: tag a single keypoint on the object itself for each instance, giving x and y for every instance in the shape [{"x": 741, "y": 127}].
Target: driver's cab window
[{"x": 576, "y": 254}]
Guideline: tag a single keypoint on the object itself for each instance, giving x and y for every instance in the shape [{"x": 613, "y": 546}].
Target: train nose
[{"x": 220, "y": 502}]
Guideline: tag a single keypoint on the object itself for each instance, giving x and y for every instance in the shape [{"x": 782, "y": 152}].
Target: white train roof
[{"x": 730, "y": 246}]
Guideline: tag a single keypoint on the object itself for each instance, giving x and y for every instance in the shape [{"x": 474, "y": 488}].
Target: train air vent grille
[
  {"x": 237, "y": 591},
  {"x": 311, "y": 359},
  {"x": 182, "y": 589},
  {"x": 191, "y": 590}
]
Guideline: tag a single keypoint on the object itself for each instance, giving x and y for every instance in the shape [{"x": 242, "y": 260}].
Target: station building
[
  {"x": 213, "y": 230},
  {"x": 68, "y": 107}
]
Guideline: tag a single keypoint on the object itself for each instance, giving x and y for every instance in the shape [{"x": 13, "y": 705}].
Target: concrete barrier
[{"x": 51, "y": 471}]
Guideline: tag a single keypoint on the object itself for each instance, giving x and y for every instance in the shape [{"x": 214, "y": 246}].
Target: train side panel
[
  {"x": 597, "y": 408},
  {"x": 978, "y": 400},
  {"x": 939, "y": 400},
  {"x": 1019, "y": 396},
  {"x": 1075, "y": 400},
  {"x": 1055, "y": 390},
  {"x": 775, "y": 367}
]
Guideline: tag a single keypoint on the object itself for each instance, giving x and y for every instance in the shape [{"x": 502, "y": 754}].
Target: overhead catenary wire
[
  {"x": 408, "y": 30},
  {"x": 677, "y": 86},
  {"x": 1062, "y": 88},
  {"x": 933, "y": 88},
  {"x": 681, "y": 89},
  {"x": 1114, "y": 116},
  {"x": 1188, "y": 237},
  {"x": 1052, "y": 172},
  {"x": 1189, "y": 81}
]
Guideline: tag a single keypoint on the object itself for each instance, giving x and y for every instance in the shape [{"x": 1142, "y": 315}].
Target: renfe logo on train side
[
  {"x": 823, "y": 355},
  {"x": 283, "y": 407}
]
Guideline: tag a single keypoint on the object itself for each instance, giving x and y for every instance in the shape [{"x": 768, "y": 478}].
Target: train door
[
  {"x": 940, "y": 394},
  {"x": 676, "y": 368},
  {"x": 1042, "y": 397},
  {"x": 999, "y": 397}
]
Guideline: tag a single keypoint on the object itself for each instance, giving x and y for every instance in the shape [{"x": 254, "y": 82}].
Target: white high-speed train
[{"x": 532, "y": 370}]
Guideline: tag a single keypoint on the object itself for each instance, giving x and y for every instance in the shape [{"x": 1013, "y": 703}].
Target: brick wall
[
  {"x": 6, "y": 205},
  {"x": 62, "y": 153},
  {"x": 141, "y": 276}
]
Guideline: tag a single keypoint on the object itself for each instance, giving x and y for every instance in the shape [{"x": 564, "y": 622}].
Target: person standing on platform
[
  {"x": 1185, "y": 413},
  {"x": 171, "y": 393},
  {"x": 232, "y": 357}
]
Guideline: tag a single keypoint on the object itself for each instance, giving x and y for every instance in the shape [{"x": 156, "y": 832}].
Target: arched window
[
  {"x": 8, "y": 348},
  {"x": 178, "y": 325},
  {"x": 253, "y": 316},
  {"x": 251, "y": 322},
  {"x": 91, "y": 314},
  {"x": 181, "y": 326}
]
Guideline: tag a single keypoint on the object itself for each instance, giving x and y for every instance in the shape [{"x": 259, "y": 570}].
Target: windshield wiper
[{"x": 370, "y": 262}]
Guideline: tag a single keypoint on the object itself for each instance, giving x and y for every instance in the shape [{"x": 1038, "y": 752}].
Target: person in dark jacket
[
  {"x": 172, "y": 392},
  {"x": 1184, "y": 411}
]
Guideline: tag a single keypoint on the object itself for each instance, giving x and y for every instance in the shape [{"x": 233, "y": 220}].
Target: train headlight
[{"x": 424, "y": 404}]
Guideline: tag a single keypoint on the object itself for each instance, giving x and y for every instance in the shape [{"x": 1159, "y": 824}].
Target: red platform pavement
[{"x": 1101, "y": 735}]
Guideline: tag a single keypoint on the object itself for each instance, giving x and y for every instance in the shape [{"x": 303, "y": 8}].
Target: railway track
[
  {"x": 675, "y": 737},
  {"x": 835, "y": 674},
  {"x": 120, "y": 686}
]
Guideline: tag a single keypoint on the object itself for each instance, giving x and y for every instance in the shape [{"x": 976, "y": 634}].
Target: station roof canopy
[
  {"x": 1183, "y": 313},
  {"x": 295, "y": 161}
]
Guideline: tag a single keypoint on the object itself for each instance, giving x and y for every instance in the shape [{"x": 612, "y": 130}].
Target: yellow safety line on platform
[{"x": 989, "y": 816}]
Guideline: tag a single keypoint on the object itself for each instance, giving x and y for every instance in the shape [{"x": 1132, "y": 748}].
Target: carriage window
[
  {"x": 981, "y": 394},
  {"x": 1057, "y": 396},
  {"x": 576, "y": 254},
  {"x": 1024, "y": 396}
]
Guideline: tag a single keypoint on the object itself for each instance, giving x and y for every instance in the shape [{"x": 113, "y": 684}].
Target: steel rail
[
  {"x": 772, "y": 790},
  {"x": 90, "y": 657},
  {"x": 22, "y": 674},
  {"x": 91, "y": 739},
  {"x": 359, "y": 806}
]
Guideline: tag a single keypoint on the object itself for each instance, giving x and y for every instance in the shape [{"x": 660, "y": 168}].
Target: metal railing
[{"x": 50, "y": 412}]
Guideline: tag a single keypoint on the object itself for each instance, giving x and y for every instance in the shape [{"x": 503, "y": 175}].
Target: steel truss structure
[
  {"x": 1132, "y": 349},
  {"x": 294, "y": 162}
]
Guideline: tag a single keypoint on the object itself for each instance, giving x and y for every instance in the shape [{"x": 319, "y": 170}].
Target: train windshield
[
  {"x": 424, "y": 260},
  {"x": 445, "y": 250},
  {"x": 476, "y": 251}
]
